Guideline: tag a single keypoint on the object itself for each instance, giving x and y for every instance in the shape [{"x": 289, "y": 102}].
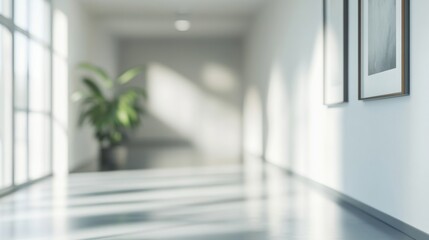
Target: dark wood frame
[
  {"x": 345, "y": 52},
  {"x": 405, "y": 65}
]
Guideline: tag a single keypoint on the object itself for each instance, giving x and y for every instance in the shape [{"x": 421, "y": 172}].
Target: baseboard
[{"x": 344, "y": 199}]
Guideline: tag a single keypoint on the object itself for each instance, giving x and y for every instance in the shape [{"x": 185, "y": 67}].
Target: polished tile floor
[{"x": 254, "y": 202}]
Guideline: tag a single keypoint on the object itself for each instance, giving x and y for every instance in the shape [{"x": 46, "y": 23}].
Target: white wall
[
  {"x": 195, "y": 91},
  {"x": 373, "y": 151},
  {"x": 87, "y": 41}
]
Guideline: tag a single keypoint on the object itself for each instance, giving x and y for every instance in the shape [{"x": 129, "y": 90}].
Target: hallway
[
  {"x": 253, "y": 202},
  {"x": 134, "y": 119}
]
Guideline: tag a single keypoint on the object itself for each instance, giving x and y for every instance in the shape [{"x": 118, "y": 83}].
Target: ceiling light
[{"x": 183, "y": 25}]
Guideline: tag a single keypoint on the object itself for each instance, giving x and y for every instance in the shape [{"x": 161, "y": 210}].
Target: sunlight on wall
[
  {"x": 219, "y": 78},
  {"x": 60, "y": 94},
  {"x": 173, "y": 99},
  {"x": 212, "y": 125},
  {"x": 303, "y": 134},
  {"x": 317, "y": 128},
  {"x": 300, "y": 119},
  {"x": 253, "y": 123},
  {"x": 60, "y": 33},
  {"x": 333, "y": 69},
  {"x": 278, "y": 119},
  {"x": 325, "y": 126},
  {"x": 219, "y": 134}
]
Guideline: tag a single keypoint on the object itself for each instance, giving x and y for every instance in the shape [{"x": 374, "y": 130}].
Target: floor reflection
[
  {"x": 249, "y": 202},
  {"x": 137, "y": 155}
]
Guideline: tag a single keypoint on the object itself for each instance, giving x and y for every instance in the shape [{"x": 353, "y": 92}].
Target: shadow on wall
[{"x": 210, "y": 124}]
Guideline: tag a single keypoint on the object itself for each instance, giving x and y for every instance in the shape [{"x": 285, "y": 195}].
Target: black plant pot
[{"x": 108, "y": 159}]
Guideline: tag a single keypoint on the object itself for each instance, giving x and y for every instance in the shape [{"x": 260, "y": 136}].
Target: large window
[{"x": 25, "y": 91}]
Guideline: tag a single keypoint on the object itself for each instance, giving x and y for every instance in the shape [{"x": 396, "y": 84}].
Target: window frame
[{"x": 9, "y": 24}]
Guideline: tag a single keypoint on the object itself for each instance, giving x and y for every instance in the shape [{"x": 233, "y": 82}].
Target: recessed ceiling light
[{"x": 183, "y": 25}]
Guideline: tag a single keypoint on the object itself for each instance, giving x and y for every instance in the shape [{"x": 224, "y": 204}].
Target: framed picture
[
  {"x": 383, "y": 48},
  {"x": 335, "y": 21}
]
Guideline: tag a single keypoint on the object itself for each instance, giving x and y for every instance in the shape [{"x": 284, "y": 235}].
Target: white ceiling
[{"x": 155, "y": 18}]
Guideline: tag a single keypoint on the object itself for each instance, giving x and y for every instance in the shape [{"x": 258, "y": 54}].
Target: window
[
  {"x": 39, "y": 145},
  {"x": 21, "y": 14},
  {"x": 39, "y": 81},
  {"x": 25, "y": 115},
  {"x": 5, "y": 108},
  {"x": 21, "y": 147}
]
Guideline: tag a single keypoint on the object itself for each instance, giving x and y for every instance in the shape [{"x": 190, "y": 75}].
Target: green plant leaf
[
  {"x": 123, "y": 117},
  {"x": 132, "y": 95},
  {"x": 128, "y": 97},
  {"x": 129, "y": 75},
  {"x": 89, "y": 101},
  {"x": 116, "y": 137},
  {"x": 110, "y": 117},
  {"x": 99, "y": 72},
  {"x": 93, "y": 88}
]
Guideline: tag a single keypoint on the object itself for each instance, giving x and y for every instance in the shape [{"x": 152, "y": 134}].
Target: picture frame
[
  {"x": 384, "y": 30},
  {"x": 335, "y": 67}
]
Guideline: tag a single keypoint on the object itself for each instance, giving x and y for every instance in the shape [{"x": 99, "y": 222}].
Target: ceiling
[{"x": 155, "y": 18}]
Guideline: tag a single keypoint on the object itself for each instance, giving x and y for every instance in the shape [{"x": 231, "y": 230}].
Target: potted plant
[{"x": 111, "y": 106}]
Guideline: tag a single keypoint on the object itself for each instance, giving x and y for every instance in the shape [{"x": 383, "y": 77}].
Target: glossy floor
[{"x": 254, "y": 202}]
